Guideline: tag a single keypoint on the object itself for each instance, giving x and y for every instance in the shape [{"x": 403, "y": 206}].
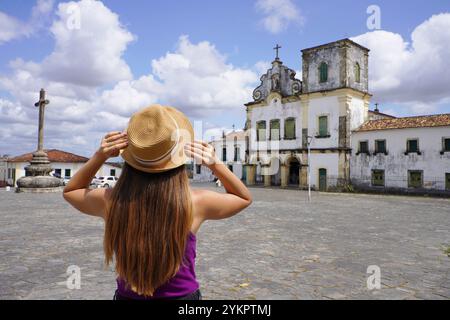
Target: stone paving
[{"x": 281, "y": 247}]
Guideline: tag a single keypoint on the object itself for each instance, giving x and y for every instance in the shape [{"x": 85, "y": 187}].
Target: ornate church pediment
[{"x": 278, "y": 78}]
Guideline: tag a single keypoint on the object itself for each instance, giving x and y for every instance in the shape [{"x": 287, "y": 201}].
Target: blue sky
[
  {"x": 232, "y": 26},
  {"x": 232, "y": 32}
]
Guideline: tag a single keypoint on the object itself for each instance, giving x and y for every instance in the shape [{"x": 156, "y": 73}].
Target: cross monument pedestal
[{"x": 37, "y": 173}]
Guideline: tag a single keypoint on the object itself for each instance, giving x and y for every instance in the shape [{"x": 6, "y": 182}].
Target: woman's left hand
[{"x": 112, "y": 143}]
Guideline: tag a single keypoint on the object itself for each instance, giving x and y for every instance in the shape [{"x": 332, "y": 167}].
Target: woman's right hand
[
  {"x": 112, "y": 143},
  {"x": 202, "y": 152}
]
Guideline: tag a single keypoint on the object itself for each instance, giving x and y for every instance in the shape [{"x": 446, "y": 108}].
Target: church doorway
[
  {"x": 294, "y": 170},
  {"x": 322, "y": 179}
]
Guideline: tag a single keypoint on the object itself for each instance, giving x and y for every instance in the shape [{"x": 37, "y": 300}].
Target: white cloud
[
  {"x": 261, "y": 67},
  {"x": 414, "y": 73},
  {"x": 129, "y": 96},
  {"x": 81, "y": 64},
  {"x": 12, "y": 28},
  {"x": 195, "y": 77},
  {"x": 12, "y": 112},
  {"x": 278, "y": 14},
  {"x": 92, "y": 54}
]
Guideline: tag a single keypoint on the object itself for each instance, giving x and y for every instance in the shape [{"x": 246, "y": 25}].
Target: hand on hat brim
[
  {"x": 112, "y": 143},
  {"x": 202, "y": 152}
]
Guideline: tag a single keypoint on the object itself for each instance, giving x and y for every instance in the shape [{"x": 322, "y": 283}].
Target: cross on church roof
[{"x": 276, "y": 48}]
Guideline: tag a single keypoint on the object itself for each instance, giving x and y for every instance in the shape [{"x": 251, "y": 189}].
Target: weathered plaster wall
[
  {"x": 396, "y": 164},
  {"x": 358, "y": 112},
  {"x": 311, "y": 63},
  {"x": 341, "y": 58},
  {"x": 356, "y": 54}
]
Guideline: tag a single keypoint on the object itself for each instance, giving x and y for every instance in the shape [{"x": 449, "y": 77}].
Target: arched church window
[
  {"x": 357, "y": 72},
  {"x": 323, "y": 72}
]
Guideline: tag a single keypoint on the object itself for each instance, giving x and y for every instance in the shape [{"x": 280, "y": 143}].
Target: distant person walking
[{"x": 152, "y": 215}]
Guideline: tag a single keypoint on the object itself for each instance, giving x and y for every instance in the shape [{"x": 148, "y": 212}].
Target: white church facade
[
  {"x": 290, "y": 119},
  {"x": 319, "y": 130}
]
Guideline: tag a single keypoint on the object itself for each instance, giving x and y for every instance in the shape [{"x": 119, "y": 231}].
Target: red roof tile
[
  {"x": 438, "y": 120},
  {"x": 115, "y": 164},
  {"x": 54, "y": 155}
]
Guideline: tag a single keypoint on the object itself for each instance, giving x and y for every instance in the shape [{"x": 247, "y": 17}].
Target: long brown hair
[{"x": 147, "y": 224}]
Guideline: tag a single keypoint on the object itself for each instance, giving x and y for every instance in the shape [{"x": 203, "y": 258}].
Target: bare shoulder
[
  {"x": 198, "y": 197},
  {"x": 89, "y": 201}
]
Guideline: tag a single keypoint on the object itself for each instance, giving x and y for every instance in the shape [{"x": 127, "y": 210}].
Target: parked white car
[
  {"x": 66, "y": 180},
  {"x": 95, "y": 181},
  {"x": 105, "y": 182}
]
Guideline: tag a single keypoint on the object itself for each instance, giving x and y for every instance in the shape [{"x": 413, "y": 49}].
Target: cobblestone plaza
[{"x": 281, "y": 247}]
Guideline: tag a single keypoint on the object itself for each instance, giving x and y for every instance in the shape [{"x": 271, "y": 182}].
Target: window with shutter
[
  {"x": 363, "y": 147},
  {"x": 275, "y": 129},
  {"x": 380, "y": 146},
  {"x": 415, "y": 179},
  {"x": 357, "y": 72},
  {"x": 289, "y": 128},
  {"x": 323, "y": 72},
  {"x": 378, "y": 178},
  {"x": 446, "y": 144},
  {"x": 323, "y": 126},
  {"x": 261, "y": 131},
  {"x": 412, "y": 145}
]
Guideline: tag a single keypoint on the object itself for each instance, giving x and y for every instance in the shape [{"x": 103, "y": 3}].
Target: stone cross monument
[
  {"x": 37, "y": 173},
  {"x": 41, "y": 104}
]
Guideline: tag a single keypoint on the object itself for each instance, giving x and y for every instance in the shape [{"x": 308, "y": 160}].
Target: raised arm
[
  {"x": 77, "y": 192},
  {"x": 215, "y": 205}
]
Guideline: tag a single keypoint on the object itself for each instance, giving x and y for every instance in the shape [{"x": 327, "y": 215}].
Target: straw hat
[{"x": 156, "y": 139}]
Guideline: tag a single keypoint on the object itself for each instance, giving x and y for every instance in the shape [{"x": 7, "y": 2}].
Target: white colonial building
[
  {"x": 230, "y": 149},
  {"x": 64, "y": 164},
  {"x": 399, "y": 153},
  {"x": 322, "y": 124}
]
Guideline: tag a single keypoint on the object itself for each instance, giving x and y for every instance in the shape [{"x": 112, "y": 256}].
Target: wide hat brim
[{"x": 178, "y": 156}]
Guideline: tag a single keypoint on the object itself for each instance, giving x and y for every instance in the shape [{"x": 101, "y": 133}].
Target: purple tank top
[{"x": 183, "y": 283}]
